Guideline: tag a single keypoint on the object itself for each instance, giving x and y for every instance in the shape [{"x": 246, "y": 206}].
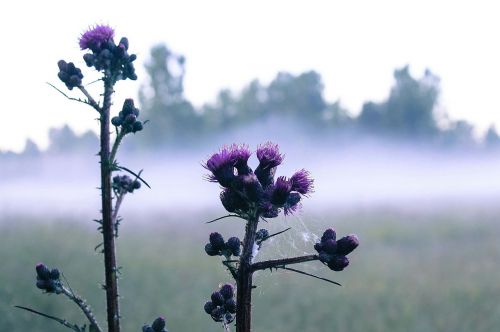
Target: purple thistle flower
[
  {"x": 221, "y": 165},
  {"x": 302, "y": 182},
  {"x": 269, "y": 158},
  {"x": 281, "y": 191},
  {"x": 269, "y": 155},
  {"x": 96, "y": 36},
  {"x": 240, "y": 155}
]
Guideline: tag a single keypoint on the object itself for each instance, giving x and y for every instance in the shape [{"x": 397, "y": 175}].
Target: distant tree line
[{"x": 409, "y": 114}]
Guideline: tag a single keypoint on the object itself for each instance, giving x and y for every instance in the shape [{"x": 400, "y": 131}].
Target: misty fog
[{"x": 361, "y": 175}]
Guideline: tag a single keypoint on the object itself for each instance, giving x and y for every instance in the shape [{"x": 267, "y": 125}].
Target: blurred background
[{"x": 392, "y": 107}]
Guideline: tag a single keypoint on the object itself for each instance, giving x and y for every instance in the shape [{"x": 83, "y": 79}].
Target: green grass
[{"x": 412, "y": 272}]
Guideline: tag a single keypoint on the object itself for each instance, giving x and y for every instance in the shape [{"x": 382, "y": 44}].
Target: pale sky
[{"x": 355, "y": 45}]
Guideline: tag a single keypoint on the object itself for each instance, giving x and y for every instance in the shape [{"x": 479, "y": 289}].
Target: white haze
[{"x": 362, "y": 175}]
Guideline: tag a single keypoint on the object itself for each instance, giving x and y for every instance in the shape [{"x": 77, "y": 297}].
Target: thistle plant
[
  {"x": 114, "y": 63},
  {"x": 256, "y": 196}
]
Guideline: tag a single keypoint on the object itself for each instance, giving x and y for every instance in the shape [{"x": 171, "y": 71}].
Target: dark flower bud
[
  {"x": 330, "y": 246},
  {"x": 63, "y": 76},
  {"x": 228, "y": 317},
  {"x": 262, "y": 234},
  {"x": 42, "y": 284},
  {"x": 138, "y": 126},
  {"x": 124, "y": 42},
  {"x": 347, "y": 244},
  {"x": 209, "y": 307},
  {"x": 89, "y": 59},
  {"x": 324, "y": 257},
  {"x": 63, "y": 65},
  {"x": 230, "y": 305},
  {"x": 250, "y": 186},
  {"x": 158, "y": 325},
  {"x": 318, "y": 247},
  {"x": 210, "y": 250},
  {"x": 338, "y": 263},
  {"x": 54, "y": 274},
  {"x": 292, "y": 203},
  {"x": 132, "y": 57},
  {"x": 136, "y": 184},
  {"x": 217, "y": 298},
  {"x": 217, "y": 241},
  {"x": 130, "y": 119},
  {"x": 116, "y": 121},
  {"x": 329, "y": 234},
  {"x": 128, "y": 105},
  {"x": 227, "y": 291},
  {"x": 132, "y": 76},
  {"x": 232, "y": 201},
  {"x": 42, "y": 271},
  {"x": 218, "y": 314},
  {"x": 233, "y": 244}
]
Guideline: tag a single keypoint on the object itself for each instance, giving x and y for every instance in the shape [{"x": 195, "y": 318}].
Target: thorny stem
[
  {"x": 91, "y": 101},
  {"x": 276, "y": 263},
  {"x": 118, "y": 203},
  {"x": 244, "y": 280},
  {"x": 83, "y": 306},
  {"x": 111, "y": 282},
  {"x": 64, "y": 322},
  {"x": 116, "y": 144}
]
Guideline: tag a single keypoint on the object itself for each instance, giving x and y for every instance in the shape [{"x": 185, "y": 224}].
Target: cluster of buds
[
  {"x": 217, "y": 246},
  {"x": 106, "y": 55},
  {"x": 69, "y": 74},
  {"x": 333, "y": 252},
  {"x": 127, "y": 118},
  {"x": 261, "y": 235},
  {"x": 247, "y": 192},
  {"x": 222, "y": 305},
  {"x": 48, "y": 280},
  {"x": 157, "y": 326},
  {"x": 123, "y": 184}
]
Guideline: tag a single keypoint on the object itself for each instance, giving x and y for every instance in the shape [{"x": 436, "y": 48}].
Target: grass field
[{"x": 414, "y": 271}]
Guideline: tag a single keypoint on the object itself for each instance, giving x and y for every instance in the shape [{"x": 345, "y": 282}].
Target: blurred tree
[
  {"x": 297, "y": 97},
  {"x": 171, "y": 117},
  {"x": 64, "y": 141},
  {"x": 409, "y": 110},
  {"x": 491, "y": 139},
  {"x": 30, "y": 149},
  {"x": 459, "y": 135}
]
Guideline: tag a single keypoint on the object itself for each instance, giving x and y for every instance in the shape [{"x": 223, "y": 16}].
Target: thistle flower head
[
  {"x": 221, "y": 164},
  {"x": 281, "y": 191},
  {"x": 96, "y": 36},
  {"x": 269, "y": 155},
  {"x": 302, "y": 182},
  {"x": 240, "y": 155}
]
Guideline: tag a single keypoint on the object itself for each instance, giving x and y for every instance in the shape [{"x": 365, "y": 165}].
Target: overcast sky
[{"x": 355, "y": 45}]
